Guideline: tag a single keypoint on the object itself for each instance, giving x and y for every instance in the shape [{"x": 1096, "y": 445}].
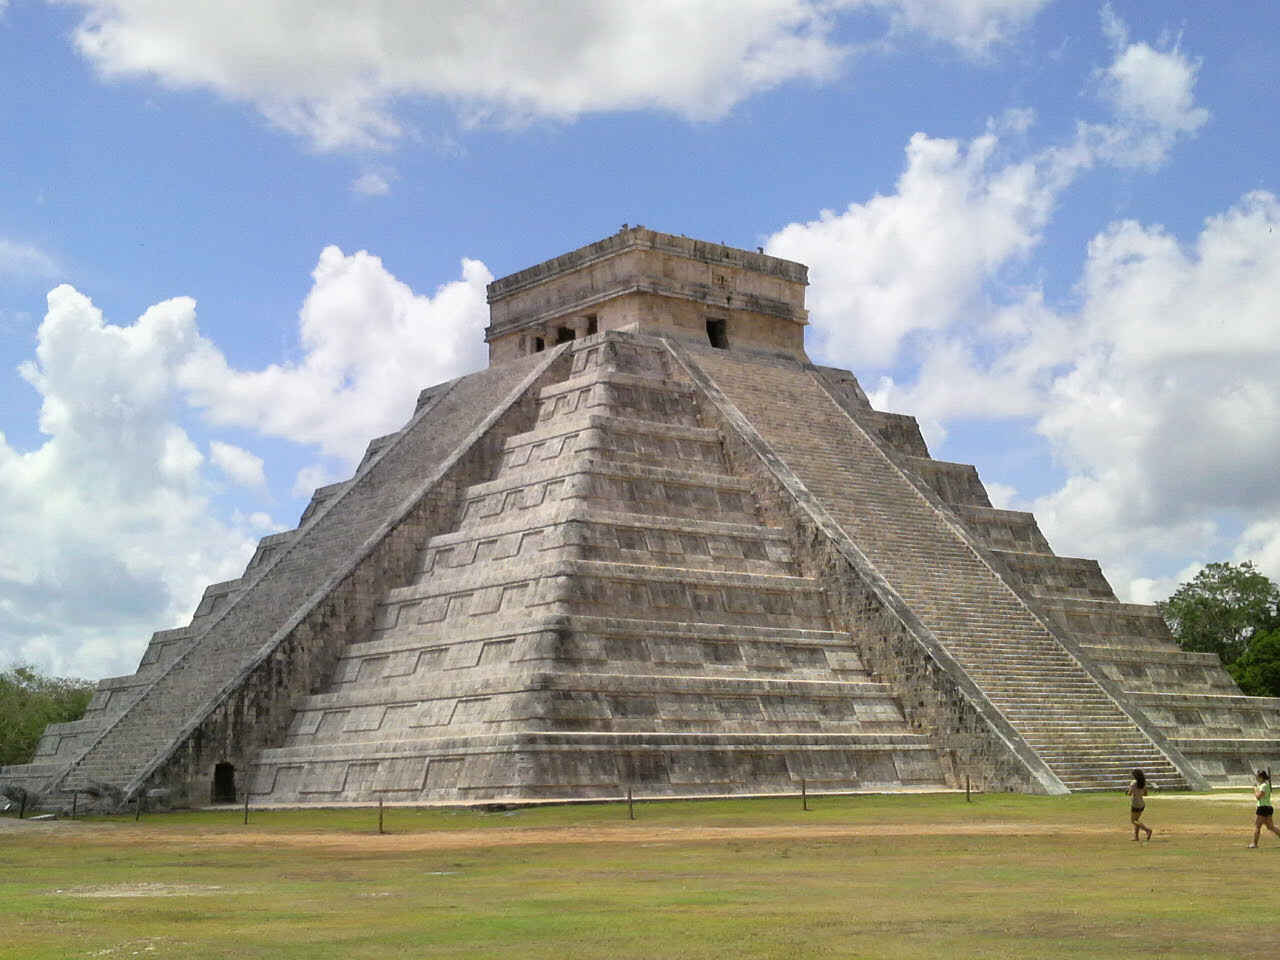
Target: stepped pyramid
[{"x": 653, "y": 548}]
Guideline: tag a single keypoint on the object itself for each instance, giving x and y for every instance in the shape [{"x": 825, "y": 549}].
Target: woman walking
[
  {"x": 1262, "y": 793},
  {"x": 1137, "y": 792}
]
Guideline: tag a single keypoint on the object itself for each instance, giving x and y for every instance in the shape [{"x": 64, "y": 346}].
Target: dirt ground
[
  {"x": 86, "y": 832},
  {"x": 624, "y": 831}
]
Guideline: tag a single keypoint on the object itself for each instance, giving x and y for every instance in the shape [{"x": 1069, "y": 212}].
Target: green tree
[
  {"x": 29, "y": 702},
  {"x": 1257, "y": 671},
  {"x": 1221, "y": 608}
]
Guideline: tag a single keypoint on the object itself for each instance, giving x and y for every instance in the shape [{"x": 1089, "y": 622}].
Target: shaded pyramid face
[{"x": 610, "y": 613}]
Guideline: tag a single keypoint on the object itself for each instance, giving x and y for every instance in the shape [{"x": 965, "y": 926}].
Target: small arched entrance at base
[{"x": 224, "y": 784}]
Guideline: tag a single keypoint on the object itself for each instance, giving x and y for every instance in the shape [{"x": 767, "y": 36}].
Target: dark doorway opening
[
  {"x": 718, "y": 334},
  {"x": 539, "y": 345},
  {"x": 564, "y": 335},
  {"x": 593, "y": 325},
  {"x": 224, "y": 783}
]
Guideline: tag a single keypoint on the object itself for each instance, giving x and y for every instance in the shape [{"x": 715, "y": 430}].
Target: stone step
[
  {"x": 602, "y": 436},
  {"x": 638, "y": 489},
  {"x": 616, "y": 392},
  {"x": 486, "y": 552},
  {"x": 1149, "y": 760}
]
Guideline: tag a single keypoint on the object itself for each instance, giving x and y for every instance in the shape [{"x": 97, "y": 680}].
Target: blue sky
[{"x": 237, "y": 237}]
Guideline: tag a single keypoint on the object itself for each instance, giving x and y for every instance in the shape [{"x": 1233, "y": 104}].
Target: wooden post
[
  {"x": 966, "y": 789},
  {"x": 246, "y": 808},
  {"x": 804, "y": 792},
  {"x": 75, "y": 800},
  {"x": 22, "y": 805},
  {"x": 137, "y": 806},
  {"x": 631, "y": 810},
  {"x": 380, "y": 830}
]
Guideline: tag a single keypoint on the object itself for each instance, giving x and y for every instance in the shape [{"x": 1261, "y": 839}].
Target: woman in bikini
[
  {"x": 1262, "y": 793},
  {"x": 1137, "y": 792}
]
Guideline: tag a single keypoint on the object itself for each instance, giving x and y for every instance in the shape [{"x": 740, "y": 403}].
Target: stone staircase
[
  {"x": 608, "y": 613},
  {"x": 1189, "y": 697},
  {"x": 1062, "y": 712}
]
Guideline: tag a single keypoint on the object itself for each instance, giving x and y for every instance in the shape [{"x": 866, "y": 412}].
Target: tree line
[
  {"x": 29, "y": 702},
  {"x": 1234, "y": 611},
  {"x": 1228, "y": 609}
]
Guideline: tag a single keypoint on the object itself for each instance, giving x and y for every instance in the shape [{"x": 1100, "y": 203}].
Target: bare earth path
[{"x": 624, "y": 832}]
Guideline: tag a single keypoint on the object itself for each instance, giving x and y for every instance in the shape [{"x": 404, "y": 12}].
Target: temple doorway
[{"x": 224, "y": 783}]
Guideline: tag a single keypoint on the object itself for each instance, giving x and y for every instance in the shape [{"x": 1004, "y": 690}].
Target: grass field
[{"x": 925, "y": 876}]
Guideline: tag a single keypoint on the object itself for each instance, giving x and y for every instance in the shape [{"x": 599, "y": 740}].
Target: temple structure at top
[{"x": 642, "y": 281}]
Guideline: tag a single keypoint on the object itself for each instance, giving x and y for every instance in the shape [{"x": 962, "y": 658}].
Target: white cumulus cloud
[
  {"x": 918, "y": 263},
  {"x": 106, "y": 528},
  {"x": 369, "y": 343},
  {"x": 111, "y": 528},
  {"x": 20, "y": 258},
  {"x": 242, "y": 467},
  {"x": 1152, "y": 93},
  {"x": 372, "y": 183},
  {"x": 972, "y": 25},
  {"x": 915, "y": 260},
  {"x": 1154, "y": 386},
  {"x": 334, "y": 72},
  {"x": 1169, "y": 415}
]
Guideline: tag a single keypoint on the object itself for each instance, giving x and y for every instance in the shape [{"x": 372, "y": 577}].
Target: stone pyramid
[{"x": 653, "y": 549}]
